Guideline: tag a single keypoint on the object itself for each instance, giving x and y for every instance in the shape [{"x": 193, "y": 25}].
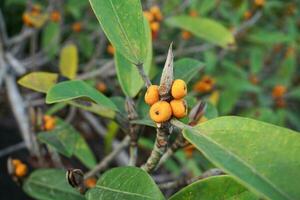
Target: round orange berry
[
  {"x": 90, "y": 182},
  {"x": 26, "y": 19},
  {"x": 247, "y": 15},
  {"x": 154, "y": 26},
  {"x": 149, "y": 16},
  {"x": 110, "y": 49},
  {"x": 278, "y": 91},
  {"x": 21, "y": 170},
  {"x": 76, "y": 27},
  {"x": 193, "y": 13},
  {"x": 16, "y": 162},
  {"x": 49, "y": 123},
  {"x": 55, "y": 16},
  {"x": 152, "y": 95},
  {"x": 186, "y": 35},
  {"x": 101, "y": 86},
  {"x": 259, "y": 3},
  {"x": 179, "y": 108},
  {"x": 160, "y": 112},
  {"x": 179, "y": 89}
]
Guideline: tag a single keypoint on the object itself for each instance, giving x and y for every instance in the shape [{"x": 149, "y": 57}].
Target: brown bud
[
  {"x": 166, "y": 79},
  {"x": 196, "y": 113},
  {"x": 75, "y": 178}
]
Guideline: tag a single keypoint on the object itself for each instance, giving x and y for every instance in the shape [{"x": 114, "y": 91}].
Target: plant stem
[
  {"x": 133, "y": 155},
  {"x": 133, "y": 130},
  {"x": 185, "y": 181},
  {"x": 159, "y": 148},
  {"x": 178, "y": 143},
  {"x": 143, "y": 74},
  {"x": 105, "y": 162}
]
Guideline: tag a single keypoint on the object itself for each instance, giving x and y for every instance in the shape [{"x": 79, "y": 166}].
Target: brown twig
[
  {"x": 159, "y": 148},
  {"x": 142, "y": 73},
  {"x": 133, "y": 130},
  {"x": 105, "y": 162},
  {"x": 187, "y": 181}
]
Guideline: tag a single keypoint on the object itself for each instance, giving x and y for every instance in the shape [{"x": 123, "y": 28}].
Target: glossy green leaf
[
  {"x": 127, "y": 73},
  {"x": 146, "y": 122},
  {"x": 50, "y": 184},
  {"x": 123, "y": 24},
  {"x": 39, "y": 81},
  {"x": 95, "y": 108},
  {"x": 214, "y": 188},
  {"x": 67, "y": 141},
  {"x": 187, "y": 68},
  {"x": 204, "y": 28},
  {"x": 50, "y": 38},
  {"x": 126, "y": 183},
  {"x": 69, "y": 90},
  {"x": 68, "y": 62},
  {"x": 263, "y": 157}
]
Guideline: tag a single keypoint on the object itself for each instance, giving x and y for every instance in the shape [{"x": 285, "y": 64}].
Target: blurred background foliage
[{"x": 257, "y": 76}]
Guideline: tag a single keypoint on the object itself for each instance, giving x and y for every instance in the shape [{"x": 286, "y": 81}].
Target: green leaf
[
  {"x": 228, "y": 100},
  {"x": 69, "y": 90},
  {"x": 187, "y": 68},
  {"x": 212, "y": 188},
  {"x": 50, "y": 184},
  {"x": 256, "y": 60},
  {"x": 128, "y": 75},
  {"x": 146, "y": 122},
  {"x": 287, "y": 70},
  {"x": 50, "y": 38},
  {"x": 67, "y": 141},
  {"x": 126, "y": 183},
  {"x": 83, "y": 152},
  {"x": 123, "y": 24},
  {"x": 295, "y": 93},
  {"x": 39, "y": 81},
  {"x": 68, "y": 63},
  {"x": 204, "y": 28},
  {"x": 263, "y": 157},
  {"x": 112, "y": 130},
  {"x": 267, "y": 37},
  {"x": 95, "y": 108},
  {"x": 86, "y": 45}
]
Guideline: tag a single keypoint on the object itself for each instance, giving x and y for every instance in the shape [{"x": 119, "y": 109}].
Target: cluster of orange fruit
[
  {"x": 35, "y": 18},
  {"x": 35, "y": 11},
  {"x": 278, "y": 93},
  {"x": 154, "y": 16},
  {"x": 206, "y": 84},
  {"x": 49, "y": 123},
  {"x": 20, "y": 169},
  {"x": 162, "y": 111}
]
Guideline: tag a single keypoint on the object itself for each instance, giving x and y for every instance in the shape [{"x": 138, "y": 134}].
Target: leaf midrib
[
  {"x": 122, "y": 30},
  {"x": 267, "y": 181},
  {"x": 123, "y": 192}
]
